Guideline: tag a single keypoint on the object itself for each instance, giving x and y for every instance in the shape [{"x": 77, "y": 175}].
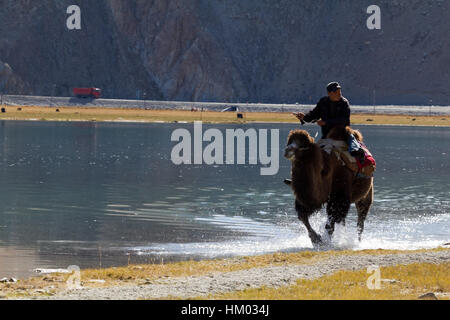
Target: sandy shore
[
  {"x": 213, "y": 283},
  {"x": 190, "y": 287}
]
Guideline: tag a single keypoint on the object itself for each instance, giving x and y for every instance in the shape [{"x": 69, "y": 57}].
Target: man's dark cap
[{"x": 332, "y": 87}]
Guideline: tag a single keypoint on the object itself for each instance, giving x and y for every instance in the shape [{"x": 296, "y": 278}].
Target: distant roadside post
[
  {"x": 374, "y": 93},
  {"x": 53, "y": 94},
  {"x": 1, "y": 103},
  {"x": 145, "y": 100}
]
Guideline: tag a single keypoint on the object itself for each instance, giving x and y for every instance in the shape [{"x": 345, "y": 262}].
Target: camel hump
[
  {"x": 342, "y": 133},
  {"x": 357, "y": 134},
  {"x": 337, "y": 142}
]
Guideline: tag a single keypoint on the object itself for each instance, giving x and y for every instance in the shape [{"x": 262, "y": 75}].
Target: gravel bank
[
  {"x": 189, "y": 287},
  {"x": 176, "y": 105}
]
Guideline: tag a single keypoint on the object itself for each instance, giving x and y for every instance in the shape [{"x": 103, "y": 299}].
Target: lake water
[{"x": 107, "y": 194}]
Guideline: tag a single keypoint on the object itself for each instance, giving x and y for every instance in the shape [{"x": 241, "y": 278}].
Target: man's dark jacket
[{"x": 333, "y": 113}]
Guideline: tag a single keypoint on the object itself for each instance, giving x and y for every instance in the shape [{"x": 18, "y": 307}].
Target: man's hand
[
  {"x": 299, "y": 115},
  {"x": 321, "y": 123}
]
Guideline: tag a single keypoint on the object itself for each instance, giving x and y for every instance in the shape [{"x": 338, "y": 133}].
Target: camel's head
[{"x": 299, "y": 141}]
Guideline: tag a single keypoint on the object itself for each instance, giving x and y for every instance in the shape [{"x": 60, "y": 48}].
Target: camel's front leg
[
  {"x": 303, "y": 215},
  {"x": 337, "y": 209}
]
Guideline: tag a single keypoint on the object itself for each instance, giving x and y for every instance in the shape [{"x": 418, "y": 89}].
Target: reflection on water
[{"x": 98, "y": 194}]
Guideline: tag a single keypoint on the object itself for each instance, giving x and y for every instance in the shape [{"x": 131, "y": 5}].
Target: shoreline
[
  {"x": 118, "y": 115},
  {"x": 187, "y": 122},
  {"x": 231, "y": 278}
]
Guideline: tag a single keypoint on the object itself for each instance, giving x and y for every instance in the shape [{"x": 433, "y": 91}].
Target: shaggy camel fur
[{"x": 319, "y": 178}]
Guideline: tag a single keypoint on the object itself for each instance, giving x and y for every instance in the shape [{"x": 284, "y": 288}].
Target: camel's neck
[{"x": 307, "y": 176}]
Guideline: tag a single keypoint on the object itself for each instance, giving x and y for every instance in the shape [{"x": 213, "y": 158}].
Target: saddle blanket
[{"x": 340, "y": 149}]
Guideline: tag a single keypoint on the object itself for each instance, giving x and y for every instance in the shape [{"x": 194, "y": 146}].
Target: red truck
[{"x": 87, "y": 92}]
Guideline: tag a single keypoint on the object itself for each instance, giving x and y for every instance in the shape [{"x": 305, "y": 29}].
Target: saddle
[{"x": 340, "y": 149}]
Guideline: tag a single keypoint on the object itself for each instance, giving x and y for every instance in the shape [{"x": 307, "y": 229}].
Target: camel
[{"x": 319, "y": 178}]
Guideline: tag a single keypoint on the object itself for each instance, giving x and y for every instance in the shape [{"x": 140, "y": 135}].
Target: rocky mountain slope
[{"x": 270, "y": 51}]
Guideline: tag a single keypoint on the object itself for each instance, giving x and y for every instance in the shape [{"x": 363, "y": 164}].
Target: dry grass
[
  {"x": 106, "y": 114},
  {"x": 139, "y": 274},
  {"x": 403, "y": 282},
  {"x": 192, "y": 268},
  {"x": 396, "y": 119}
]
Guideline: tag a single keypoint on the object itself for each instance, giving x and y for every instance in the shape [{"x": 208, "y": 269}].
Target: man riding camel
[{"x": 332, "y": 111}]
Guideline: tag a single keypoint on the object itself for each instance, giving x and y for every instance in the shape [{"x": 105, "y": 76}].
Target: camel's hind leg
[
  {"x": 303, "y": 215},
  {"x": 363, "y": 206}
]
